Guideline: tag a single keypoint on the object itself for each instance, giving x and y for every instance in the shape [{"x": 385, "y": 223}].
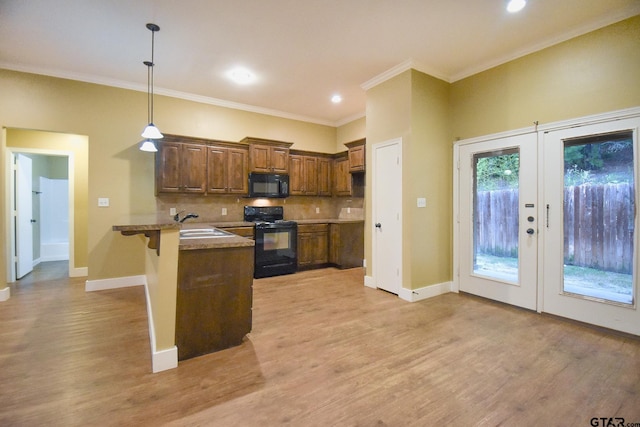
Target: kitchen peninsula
[{"x": 199, "y": 288}]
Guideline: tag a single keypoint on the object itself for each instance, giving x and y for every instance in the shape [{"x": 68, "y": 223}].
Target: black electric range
[{"x": 276, "y": 241}]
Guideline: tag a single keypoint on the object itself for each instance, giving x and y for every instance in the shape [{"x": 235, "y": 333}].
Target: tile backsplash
[{"x": 211, "y": 208}]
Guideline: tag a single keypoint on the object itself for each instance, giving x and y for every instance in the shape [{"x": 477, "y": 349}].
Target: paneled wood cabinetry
[
  {"x": 324, "y": 176},
  {"x": 341, "y": 176},
  {"x": 201, "y": 166},
  {"x": 346, "y": 244},
  {"x": 227, "y": 170},
  {"x": 214, "y": 299},
  {"x": 181, "y": 167},
  {"x": 313, "y": 245},
  {"x": 268, "y": 155},
  {"x": 309, "y": 174},
  {"x": 356, "y": 155}
]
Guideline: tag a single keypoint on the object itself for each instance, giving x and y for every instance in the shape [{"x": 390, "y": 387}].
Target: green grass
[{"x": 579, "y": 277}]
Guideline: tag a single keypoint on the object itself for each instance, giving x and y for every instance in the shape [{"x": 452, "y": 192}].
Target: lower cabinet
[
  {"x": 313, "y": 245},
  {"x": 214, "y": 299},
  {"x": 340, "y": 244},
  {"x": 346, "y": 249}
]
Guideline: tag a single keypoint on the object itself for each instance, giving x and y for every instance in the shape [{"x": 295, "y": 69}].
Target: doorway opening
[
  {"x": 69, "y": 152},
  {"x": 40, "y": 212}
]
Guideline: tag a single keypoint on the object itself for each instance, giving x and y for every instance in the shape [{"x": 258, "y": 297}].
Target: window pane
[
  {"x": 599, "y": 206},
  {"x": 495, "y": 225}
]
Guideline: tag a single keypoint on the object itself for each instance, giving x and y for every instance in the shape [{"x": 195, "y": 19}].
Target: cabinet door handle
[{"x": 378, "y": 225}]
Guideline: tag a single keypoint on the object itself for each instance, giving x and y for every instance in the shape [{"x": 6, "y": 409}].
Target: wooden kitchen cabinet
[
  {"x": 303, "y": 175},
  {"x": 356, "y": 155},
  {"x": 313, "y": 245},
  {"x": 324, "y": 176},
  {"x": 341, "y": 176},
  {"x": 181, "y": 167},
  {"x": 346, "y": 244},
  {"x": 214, "y": 299},
  {"x": 227, "y": 169},
  {"x": 268, "y": 155},
  {"x": 309, "y": 174}
]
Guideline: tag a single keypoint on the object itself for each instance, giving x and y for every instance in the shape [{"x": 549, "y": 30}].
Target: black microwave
[{"x": 268, "y": 185}]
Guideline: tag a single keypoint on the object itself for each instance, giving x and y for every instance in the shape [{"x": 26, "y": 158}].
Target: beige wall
[
  {"x": 351, "y": 131},
  {"x": 388, "y": 117},
  {"x": 591, "y": 74},
  {"x": 112, "y": 119},
  {"x": 415, "y": 106}
]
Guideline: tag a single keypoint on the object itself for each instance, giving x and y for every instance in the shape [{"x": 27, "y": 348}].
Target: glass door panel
[
  {"x": 495, "y": 214},
  {"x": 599, "y": 205}
]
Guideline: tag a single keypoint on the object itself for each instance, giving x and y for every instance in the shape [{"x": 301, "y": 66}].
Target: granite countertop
[
  {"x": 151, "y": 226},
  {"x": 232, "y": 241}
]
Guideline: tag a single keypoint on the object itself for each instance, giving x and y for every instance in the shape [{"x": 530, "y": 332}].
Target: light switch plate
[
  {"x": 103, "y": 202},
  {"x": 422, "y": 202}
]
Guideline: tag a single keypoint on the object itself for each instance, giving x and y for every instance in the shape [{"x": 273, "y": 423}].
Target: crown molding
[{"x": 121, "y": 84}]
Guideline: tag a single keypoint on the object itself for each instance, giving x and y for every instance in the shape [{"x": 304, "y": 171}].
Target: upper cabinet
[
  {"x": 341, "y": 176},
  {"x": 357, "y": 155},
  {"x": 309, "y": 174},
  {"x": 227, "y": 170},
  {"x": 267, "y": 155},
  {"x": 181, "y": 167},
  {"x": 199, "y": 166},
  {"x": 325, "y": 170}
]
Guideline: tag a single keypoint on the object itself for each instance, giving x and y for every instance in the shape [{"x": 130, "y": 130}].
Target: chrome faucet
[{"x": 176, "y": 217}]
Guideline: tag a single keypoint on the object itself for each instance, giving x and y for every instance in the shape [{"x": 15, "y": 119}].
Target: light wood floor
[{"x": 324, "y": 351}]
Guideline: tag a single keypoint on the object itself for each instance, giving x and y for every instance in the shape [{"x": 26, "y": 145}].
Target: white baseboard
[
  {"x": 79, "y": 272},
  {"x": 161, "y": 360},
  {"x": 164, "y": 359},
  {"x": 5, "y": 294},
  {"x": 114, "y": 283},
  {"x": 369, "y": 283},
  {"x": 413, "y": 295}
]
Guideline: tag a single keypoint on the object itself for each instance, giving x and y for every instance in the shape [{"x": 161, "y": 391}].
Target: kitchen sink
[{"x": 203, "y": 233}]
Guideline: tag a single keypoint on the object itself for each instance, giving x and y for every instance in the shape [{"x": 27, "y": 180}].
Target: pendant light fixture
[{"x": 150, "y": 132}]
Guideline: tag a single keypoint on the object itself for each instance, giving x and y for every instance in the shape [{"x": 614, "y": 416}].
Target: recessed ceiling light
[
  {"x": 514, "y": 6},
  {"x": 241, "y": 76},
  {"x": 336, "y": 99}
]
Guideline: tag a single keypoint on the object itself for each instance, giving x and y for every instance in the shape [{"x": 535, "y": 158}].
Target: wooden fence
[{"x": 598, "y": 224}]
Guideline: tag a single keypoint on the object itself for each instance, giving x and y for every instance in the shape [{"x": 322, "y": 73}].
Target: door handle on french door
[
  {"x": 530, "y": 231},
  {"x": 547, "y": 215},
  {"x": 378, "y": 225}
]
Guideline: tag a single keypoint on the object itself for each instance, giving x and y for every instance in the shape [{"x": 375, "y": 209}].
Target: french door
[
  {"x": 547, "y": 221},
  {"x": 497, "y": 219},
  {"x": 590, "y": 243}
]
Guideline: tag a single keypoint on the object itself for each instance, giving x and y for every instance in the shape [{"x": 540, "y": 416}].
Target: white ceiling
[{"x": 302, "y": 51}]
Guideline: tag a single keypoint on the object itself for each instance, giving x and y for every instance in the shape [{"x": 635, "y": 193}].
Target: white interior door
[
  {"x": 387, "y": 215},
  {"x": 23, "y": 216},
  {"x": 590, "y": 244},
  {"x": 497, "y": 236}
]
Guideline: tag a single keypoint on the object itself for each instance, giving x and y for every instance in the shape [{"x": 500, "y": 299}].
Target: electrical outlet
[
  {"x": 348, "y": 210},
  {"x": 103, "y": 202},
  {"x": 317, "y": 210},
  {"x": 422, "y": 202},
  {"x": 224, "y": 211},
  {"x": 172, "y": 211}
]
